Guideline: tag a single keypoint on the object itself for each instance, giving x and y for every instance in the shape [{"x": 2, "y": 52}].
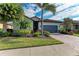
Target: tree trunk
[
  {"x": 4, "y": 26},
  {"x": 42, "y": 21}
]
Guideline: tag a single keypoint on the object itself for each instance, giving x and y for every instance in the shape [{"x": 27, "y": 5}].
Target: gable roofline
[{"x": 45, "y": 20}]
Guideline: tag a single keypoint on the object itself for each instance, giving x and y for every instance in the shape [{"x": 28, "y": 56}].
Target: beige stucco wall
[
  {"x": 1, "y": 26},
  {"x": 8, "y": 26}
]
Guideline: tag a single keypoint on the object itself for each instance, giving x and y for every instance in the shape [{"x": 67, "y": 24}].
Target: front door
[{"x": 35, "y": 26}]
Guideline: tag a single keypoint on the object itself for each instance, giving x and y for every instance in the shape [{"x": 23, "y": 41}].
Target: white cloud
[
  {"x": 29, "y": 12},
  {"x": 65, "y": 13},
  {"x": 64, "y": 6},
  {"x": 47, "y": 13},
  {"x": 76, "y": 12},
  {"x": 77, "y": 19}
]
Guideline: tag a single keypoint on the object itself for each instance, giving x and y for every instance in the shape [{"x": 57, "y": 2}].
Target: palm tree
[
  {"x": 46, "y": 6},
  {"x": 10, "y": 12}
]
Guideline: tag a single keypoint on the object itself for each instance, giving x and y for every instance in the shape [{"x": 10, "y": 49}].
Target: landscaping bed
[{"x": 23, "y": 42}]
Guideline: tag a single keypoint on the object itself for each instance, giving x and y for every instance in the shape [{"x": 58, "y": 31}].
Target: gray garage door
[{"x": 51, "y": 28}]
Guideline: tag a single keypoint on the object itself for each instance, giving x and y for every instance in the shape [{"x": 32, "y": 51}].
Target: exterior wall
[
  {"x": 76, "y": 28},
  {"x": 1, "y": 26},
  {"x": 49, "y": 23},
  {"x": 8, "y": 26}
]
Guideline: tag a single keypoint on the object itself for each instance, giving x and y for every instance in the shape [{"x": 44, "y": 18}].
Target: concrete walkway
[{"x": 69, "y": 48}]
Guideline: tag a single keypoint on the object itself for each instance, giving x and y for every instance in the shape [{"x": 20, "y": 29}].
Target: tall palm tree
[
  {"x": 45, "y": 6},
  {"x": 10, "y": 12}
]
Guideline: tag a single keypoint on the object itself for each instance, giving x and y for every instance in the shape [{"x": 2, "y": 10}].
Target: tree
[
  {"x": 26, "y": 23},
  {"x": 68, "y": 24},
  {"x": 10, "y": 12},
  {"x": 46, "y": 6}
]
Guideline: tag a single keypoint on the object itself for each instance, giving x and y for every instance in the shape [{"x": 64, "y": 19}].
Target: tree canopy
[
  {"x": 10, "y": 11},
  {"x": 47, "y": 6},
  {"x": 68, "y": 24}
]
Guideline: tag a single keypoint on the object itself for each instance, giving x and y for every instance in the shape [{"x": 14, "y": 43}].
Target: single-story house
[{"x": 48, "y": 25}]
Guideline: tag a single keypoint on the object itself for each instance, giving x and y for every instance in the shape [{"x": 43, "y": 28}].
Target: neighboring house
[
  {"x": 76, "y": 25},
  {"x": 1, "y": 25},
  {"x": 9, "y": 25}
]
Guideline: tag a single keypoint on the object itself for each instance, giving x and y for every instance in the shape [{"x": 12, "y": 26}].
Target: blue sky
[{"x": 62, "y": 11}]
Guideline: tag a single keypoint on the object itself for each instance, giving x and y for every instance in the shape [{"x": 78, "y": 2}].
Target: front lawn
[
  {"x": 21, "y": 42},
  {"x": 76, "y": 35}
]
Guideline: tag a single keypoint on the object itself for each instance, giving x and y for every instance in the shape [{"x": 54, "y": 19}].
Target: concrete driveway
[
  {"x": 70, "y": 40},
  {"x": 69, "y": 48}
]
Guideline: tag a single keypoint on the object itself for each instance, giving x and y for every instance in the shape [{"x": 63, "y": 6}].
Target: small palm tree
[{"x": 46, "y": 6}]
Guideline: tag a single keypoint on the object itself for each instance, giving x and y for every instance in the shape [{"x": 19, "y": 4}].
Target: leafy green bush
[
  {"x": 70, "y": 32},
  {"x": 46, "y": 33},
  {"x": 63, "y": 30},
  {"x": 5, "y": 34},
  {"x": 23, "y": 32},
  {"x": 37, "y": 34},
  {"x": 1, "y": 31}
]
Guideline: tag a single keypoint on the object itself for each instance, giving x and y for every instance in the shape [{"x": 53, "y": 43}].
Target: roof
[
  {"x": 45, "y": 20},
  {"x": 48, "y": 20},
  {"x": 53, "y": 21},
  {"x": 76, "y": 22}
]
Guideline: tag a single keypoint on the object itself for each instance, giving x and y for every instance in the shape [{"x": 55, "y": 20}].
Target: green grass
[
  {"x": 21, "y": 42},
  {"x": 76, "y": 35}
]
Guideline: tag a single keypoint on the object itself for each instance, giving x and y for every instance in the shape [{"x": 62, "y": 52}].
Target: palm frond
[
  {"x": 51, "y": 7},
  {"x": 47, "y": 6}
]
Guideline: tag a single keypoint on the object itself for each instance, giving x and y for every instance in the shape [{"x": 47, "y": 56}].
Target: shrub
[
  {"x": 22, "y": 32},
  {"x": 1, "y": 31},
  {"x": 63, "y": 32},
  {"x": 70, "y": 32},
  {"x": 5, "y": 34},
  {"x": 37, "y": 34},
  {"x": 76, "y": 31},
  {"x": 46, "y": 33}
]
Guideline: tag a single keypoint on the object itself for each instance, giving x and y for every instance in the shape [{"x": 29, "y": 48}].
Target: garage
[{"x": 51, "y": 28}]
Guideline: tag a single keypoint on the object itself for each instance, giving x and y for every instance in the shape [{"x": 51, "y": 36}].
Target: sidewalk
[{"x": 53, "y": 50}]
